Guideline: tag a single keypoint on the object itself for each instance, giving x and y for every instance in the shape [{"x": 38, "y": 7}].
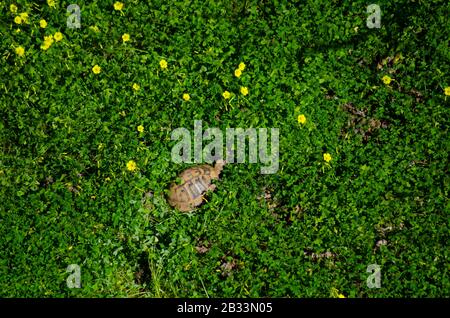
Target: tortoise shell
[{"x": 196, "y": 181}]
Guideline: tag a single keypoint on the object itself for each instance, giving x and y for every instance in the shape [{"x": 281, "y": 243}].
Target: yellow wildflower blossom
[
  {"x": 43, "y": 23},
  {"x": 226, "y": 94},
  {"x": 94, "y": 28},
  {"x": 96, "y": 69},
  {"x": 24, "y": 17},
  {"x": 51, "y": 3},
  {"x": 125, "y": 37},
  {"x": 45, "y": 46},
  {"x": 20, "y": 51},
  {"x": 48, "y": 41},
  {"x": 118, "y": 5},
  {"x": 58, "y": 36},
  {"x": 301, "y": 119},
  {"x": 163, "y": 64},
  {"x": 386, "y": 79},
  {"x": 131, "y": 165}
]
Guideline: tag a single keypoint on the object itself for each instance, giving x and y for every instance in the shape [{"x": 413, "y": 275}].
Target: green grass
[{"x": 310, "y": 230}]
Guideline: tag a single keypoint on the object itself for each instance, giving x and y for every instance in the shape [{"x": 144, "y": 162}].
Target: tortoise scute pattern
[{"x": 196, "y": 181}]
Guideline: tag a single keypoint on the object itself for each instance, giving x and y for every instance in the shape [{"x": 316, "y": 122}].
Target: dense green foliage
[{"x": 310, "y": 230}]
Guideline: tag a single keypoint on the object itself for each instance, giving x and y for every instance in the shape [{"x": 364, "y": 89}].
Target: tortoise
[{"x": 196, "y": 181}]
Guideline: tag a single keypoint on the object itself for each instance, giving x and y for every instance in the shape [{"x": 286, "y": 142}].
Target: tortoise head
[{"x": 219, "y": 166}]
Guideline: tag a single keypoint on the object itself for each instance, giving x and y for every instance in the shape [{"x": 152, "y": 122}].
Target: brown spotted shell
[{"x": 195, "y": 182}]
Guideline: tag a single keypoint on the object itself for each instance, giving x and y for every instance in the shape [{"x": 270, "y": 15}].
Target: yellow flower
[
  {"x": 18, "y": 20},
  {"x": 140, "y": 128},
  {"x": 241, "y": 66},
  {"x": 94, "y": 28},
  {"x": 327, "y": 157},
  {"x": 131, "y": 165},
  {"x": 237, "y": 72},
  {"x": 24, "y": 17},
  {"x": 20, "y": 51},
  {"x": 301, "y": 119},
  {"x": 163, "y": 64},
  {"x": 386, "y": 79},
  {"x": 51, "y": 3},
  {"x": 43, "y": 23},
  {"x": 125, "y": 37},
  {"x": 45, "y": 46},
  {"x": 136, "y": 87},
  {"x": 58, "y": 36},
  {"x": 186, "y": 97},
  {"x": 447, "y": 91},
  {"x": 244, "y": 90},
  {"x": 226, "y": 94},
  {"x": 13, "y": 8},
  {"x": 48, "y": 40},
  {"x": 118, "y": 5},
  {"x": 96, "y": 69},
  {"x": 335, "y": 293}
]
